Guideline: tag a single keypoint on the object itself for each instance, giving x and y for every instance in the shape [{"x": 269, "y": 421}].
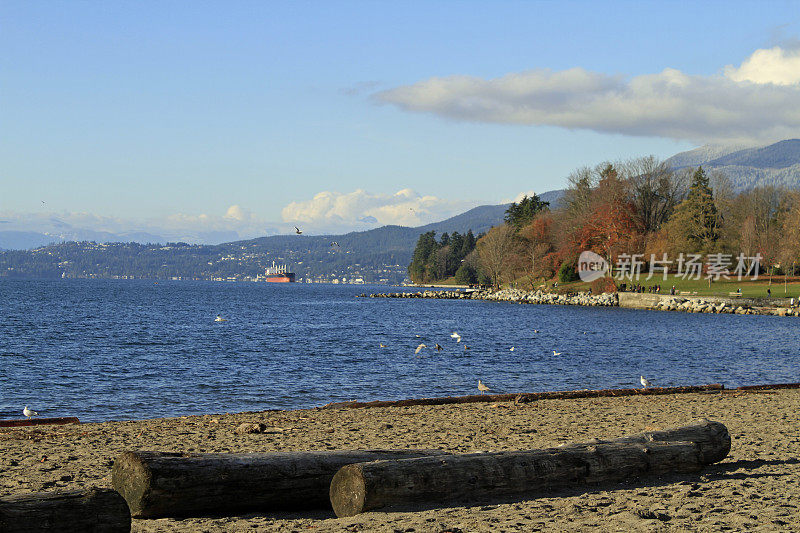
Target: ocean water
[{"x": 113, "y": 350}]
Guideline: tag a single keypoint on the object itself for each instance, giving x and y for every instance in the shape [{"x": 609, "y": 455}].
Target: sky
[{"x": 211, "y": 120}]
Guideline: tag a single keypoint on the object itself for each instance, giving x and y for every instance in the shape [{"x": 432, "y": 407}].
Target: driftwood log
[
  {"x": 529, "y": 396},
  {"x": 22, "y": 422},
  {"x": 357, "y": 488},
  {"x": 161, "y": 484},
  {"x": 93, "y": 510}
]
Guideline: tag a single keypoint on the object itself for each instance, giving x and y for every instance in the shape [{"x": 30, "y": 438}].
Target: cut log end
[
  {"x": 131, "y": 478},
  {"x": 347, "y": 491}
]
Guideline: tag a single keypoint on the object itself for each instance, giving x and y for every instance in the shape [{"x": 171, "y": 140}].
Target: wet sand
[{"x": 757, "y": 488}]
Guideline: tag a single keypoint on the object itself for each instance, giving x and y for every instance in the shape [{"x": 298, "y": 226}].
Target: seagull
[
  {"x": 556, "y": 353},
  {"x": 438, "y": 348},
  {"x": 419, "y": 348},
  {"x": 465, "y": 348},
  {"x": 456, "y": 336},
  {"x": 27, "y": 412},
  {"x": 298, "y": 230},
  {"x": 481, "y": 387},
  {"x": 220, "y": 319},
  {"x": 511, "y": 349},
  {"x": 645, "y": 383},
  {"x": 334, "y": 243},
  {"x": 536, "y": 331},
  {"x": 383, "y": 345}
]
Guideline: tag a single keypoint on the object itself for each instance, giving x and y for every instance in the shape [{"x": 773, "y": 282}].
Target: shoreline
[
  {"x": 754, "y": 488},
  {"x": 627, "y": 300}
]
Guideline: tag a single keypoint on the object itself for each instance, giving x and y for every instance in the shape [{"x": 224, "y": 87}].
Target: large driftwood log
[
  {"x": 160, "y": 484},
  {"x": 712, "y": 438},
  {"x": 93, "y": 510},
  {"x": 362, "y": 487}
]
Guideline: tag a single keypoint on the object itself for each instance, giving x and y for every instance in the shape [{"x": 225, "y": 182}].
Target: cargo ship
[{"x": 278, "y": 274}]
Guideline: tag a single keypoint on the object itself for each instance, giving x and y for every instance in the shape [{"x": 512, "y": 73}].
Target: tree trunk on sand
[
  {"x": 712, "y": 439},
  {"x": 357, "y": 488},
  {"x": 93, "y": 510},
  {"x": 161, "y": 484}
]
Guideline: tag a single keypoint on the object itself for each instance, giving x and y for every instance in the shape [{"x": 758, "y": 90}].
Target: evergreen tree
[
  {"x": 520, "y": 214},
  {"x": 696, "y": 221}
]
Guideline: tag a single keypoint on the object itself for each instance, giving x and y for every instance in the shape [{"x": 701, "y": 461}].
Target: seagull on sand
[
  {"x": 481, "y": 387},
  {"x": 298, "y": 230},
  {"x": 27, "y": 412},
  {"x": 556, "y": 353},
  {"x": 456, "y": 336},
  {"x": 419, "y": 348},
  {"x": 645, "y": 383}
]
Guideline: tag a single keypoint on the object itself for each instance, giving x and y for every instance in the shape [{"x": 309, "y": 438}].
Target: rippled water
[{"x": 107, "y": 350}]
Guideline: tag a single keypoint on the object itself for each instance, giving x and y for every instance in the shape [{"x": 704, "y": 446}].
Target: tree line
[{"x": 641, "y": 206}]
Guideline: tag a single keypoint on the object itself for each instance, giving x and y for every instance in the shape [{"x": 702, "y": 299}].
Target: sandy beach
[{"x": 757, "y": 488}]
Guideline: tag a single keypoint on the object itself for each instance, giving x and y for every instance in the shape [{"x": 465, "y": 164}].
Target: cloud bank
[
  {"x": 236, "y": 223},
  {"x": 758, "y": 101},
  {"x": 336, "y": 211}
]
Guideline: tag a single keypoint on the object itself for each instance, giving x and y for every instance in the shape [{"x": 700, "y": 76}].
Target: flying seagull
[
  {"x": 383, "y": 345},
  {"x": 465, "y": 348},
  {"x": 334, "y": 243},
  {"x": 27, "y": 412},
  {"x": 438, "y": 348},
  {"x": 556, "y": 353},
  {"x": 456, "y": 336},
  {"x": 419, "y": 348},
  {"x": 220, "y": 319},
  {"x": 481, "y": 387},
  {"x": 511, "y": 349},
  {"x": 536, "y": 331},
  {"x": 645, "y": 383},
  {"x": 298, "y": 230}
]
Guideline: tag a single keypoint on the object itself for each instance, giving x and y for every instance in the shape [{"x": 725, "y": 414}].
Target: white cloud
[
  {"x": 335, "y": 211},
  {"x": 757, "y": 101},
  {"x": 775, "y": 65},
  {"x": 236, "y": 223}
]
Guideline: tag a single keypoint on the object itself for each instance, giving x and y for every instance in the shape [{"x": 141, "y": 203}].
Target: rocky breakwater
[
  {"x": 511, "y": 295},
  {"x": 711, "y": 305}
]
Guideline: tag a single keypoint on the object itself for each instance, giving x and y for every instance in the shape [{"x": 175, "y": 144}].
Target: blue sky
[{"x": 236, "y": 115}]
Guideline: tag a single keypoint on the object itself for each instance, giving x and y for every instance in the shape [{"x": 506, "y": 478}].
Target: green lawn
[{"x": 750, "y": 289}]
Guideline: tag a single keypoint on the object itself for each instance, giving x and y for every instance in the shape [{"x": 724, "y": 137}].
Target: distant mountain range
[{"x": 748, "y": 167}]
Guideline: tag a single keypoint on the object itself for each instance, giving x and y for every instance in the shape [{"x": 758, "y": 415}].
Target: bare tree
[
  {"x": 495, "y": 251},
  {"x": 654, "y": 188}
]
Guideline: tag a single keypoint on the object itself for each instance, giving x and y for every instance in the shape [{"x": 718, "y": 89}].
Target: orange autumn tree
[
  {"x": 537, "y": 249},
  {"x": 611, "y": 226}
]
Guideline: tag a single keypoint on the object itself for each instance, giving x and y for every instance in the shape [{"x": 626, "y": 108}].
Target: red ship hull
[{"x": 281, "y": 278}]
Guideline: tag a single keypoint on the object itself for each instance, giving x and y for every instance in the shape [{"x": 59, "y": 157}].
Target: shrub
[
  {"x": 604, "y": 284},
  {"x": 567, "y": 272}
]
